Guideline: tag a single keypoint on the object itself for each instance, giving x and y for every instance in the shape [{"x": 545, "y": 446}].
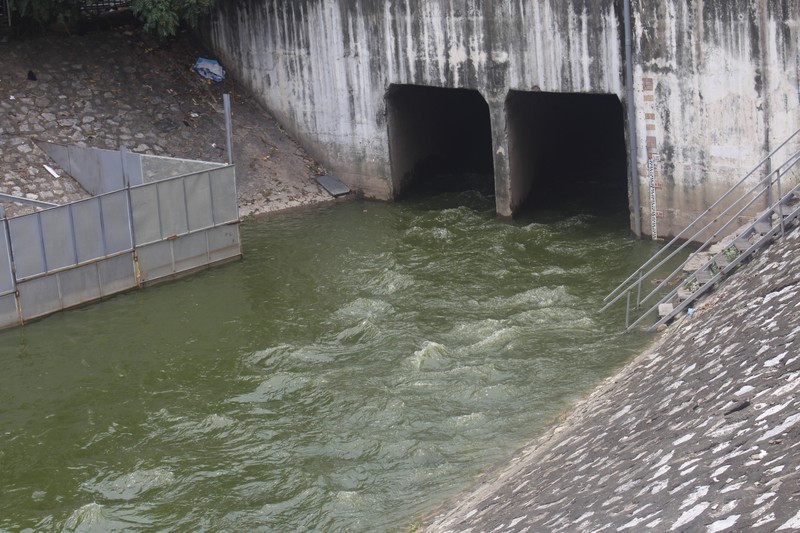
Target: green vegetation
[
  {"x": 691, "y": 285},
  {"x": 161, "y": 17},
  {"x": 731, "y": 253}
]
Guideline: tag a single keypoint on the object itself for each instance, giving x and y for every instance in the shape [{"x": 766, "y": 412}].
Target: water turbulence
[{"x": 362, "y": 363}]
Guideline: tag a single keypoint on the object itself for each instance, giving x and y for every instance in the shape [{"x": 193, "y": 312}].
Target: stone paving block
[{"x": 699, "y": 433}]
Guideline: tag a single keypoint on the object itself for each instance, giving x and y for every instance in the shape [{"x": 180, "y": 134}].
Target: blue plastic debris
[{"x": 210, "y": 69}]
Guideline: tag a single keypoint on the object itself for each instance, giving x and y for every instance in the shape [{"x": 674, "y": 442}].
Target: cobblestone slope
[
  {"x": 120, "y": 87},
  {"x": 700, "y": 433}
]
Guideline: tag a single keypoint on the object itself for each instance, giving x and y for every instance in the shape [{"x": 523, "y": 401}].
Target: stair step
[
  {"x": 762, "y": 227},
  {"x": 783, "y": 210},
  {"x": 741, "y": 244},
  {"x": 684, "y": 294},
  {"x": 665, "y": 309},
  {"x": 703, "y": 276},
  {"x": 722, "y": 261}
]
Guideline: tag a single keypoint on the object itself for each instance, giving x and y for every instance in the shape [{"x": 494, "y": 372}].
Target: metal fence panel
[
  {"x": 116, "y": 222},
  {"x": 177, "y": 224},
  {"x": 39, "y": 297},
  {"x": 98, "y": 171},
  {"x": 190, "y": 251},
  {"x": 223, "y": 243},
  {"x": 9, "y": 316},
  {"x": 172, "y": 208},
  {"x": 157, "y": 168},
  {"x": 132, "y": 168},
  {"x": 117, "y": 274},
  {"x": 86, "y": 219},
  {"x": 198, "y": 200},
  {"x": 223, "y": 192},
  {"x": 58, "y": 153},
  {"x": 79, "y": 285},
  {"x": 6, "y": 273},
  {"x": 155, "y": 261},
  {"x": 58, "y": 237},
  {"x": 26, "y": 244},
  {"x": 146, "y": 221}
]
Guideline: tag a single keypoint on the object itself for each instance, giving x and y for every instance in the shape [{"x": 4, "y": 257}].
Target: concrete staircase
[{"x": 722, "y": 247}]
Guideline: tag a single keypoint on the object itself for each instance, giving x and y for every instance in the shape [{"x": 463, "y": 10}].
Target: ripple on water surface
[{"x": 359, "y": 365}]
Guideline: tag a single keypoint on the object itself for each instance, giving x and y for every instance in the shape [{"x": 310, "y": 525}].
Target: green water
[{"x": 362, "y": 363}]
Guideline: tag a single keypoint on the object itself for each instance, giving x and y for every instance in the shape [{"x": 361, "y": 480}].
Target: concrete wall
[
  {"x": 717, "y": 88},
  {"x": 716, "y": 81}
]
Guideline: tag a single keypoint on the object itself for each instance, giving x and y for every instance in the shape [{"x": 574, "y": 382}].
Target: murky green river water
[{"x": 362, "y": 363}]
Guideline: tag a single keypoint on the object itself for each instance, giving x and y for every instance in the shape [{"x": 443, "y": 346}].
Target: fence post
[
  {"x": 7, "y": 237},
  {"x": 226, "y": 98},
  {"x": 137, "y": 272}
]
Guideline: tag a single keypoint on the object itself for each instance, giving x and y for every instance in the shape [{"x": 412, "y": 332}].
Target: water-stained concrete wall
[
  {"x": 715, "y": 81},
  {"x": 717, "y": 88},
  {"x": 324, "y": 67}
]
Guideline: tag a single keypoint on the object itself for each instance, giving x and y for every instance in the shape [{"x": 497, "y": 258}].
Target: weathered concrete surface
[
  {"x": 323, "y": 67},
  {"x": 716, "y": 82},
  {"x": 700, "y": 433},
  {"x": 717, "y": 88},
  {"x": 122, "y": 87}
]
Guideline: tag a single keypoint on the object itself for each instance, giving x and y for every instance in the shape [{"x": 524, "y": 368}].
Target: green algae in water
[{"x": 362, "y": 363}]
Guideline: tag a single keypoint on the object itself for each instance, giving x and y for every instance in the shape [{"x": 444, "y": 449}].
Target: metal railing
[
  {"x": 714, "y": 223},
  {"x": 98, "y": 7},
  {"x": 5, "y": 13},
  {"x": 89, "y": 7}
]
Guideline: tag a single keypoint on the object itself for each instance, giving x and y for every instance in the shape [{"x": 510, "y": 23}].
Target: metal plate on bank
[{"x": 331, "y": 184}]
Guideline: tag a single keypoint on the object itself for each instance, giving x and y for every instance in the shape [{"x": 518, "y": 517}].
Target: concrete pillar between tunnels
[{"x": 564, "y": 150}]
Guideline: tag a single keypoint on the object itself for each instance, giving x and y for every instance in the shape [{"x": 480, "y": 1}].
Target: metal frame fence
[
  {"x": 90, "y": 7},
  {"x": 83, "y": 251},
  {"x": 96, "y": 7},
  {"x": 5, "y": 12}
]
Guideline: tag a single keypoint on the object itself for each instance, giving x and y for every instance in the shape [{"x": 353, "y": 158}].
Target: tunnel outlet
[
  {"x": 440, "y": 140},
  {"x": 567, "y": 150}
]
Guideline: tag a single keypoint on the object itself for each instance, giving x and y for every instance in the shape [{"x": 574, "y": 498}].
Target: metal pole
[
  {"x": 126, "y": 179},
  {"x": 25, "y": 201},
  {"x": 226, "y": 98},
  {"x": 632, "y": 137},
  {"x": 628, "y": 311},
  {"x": 780, "y": 203},
  {"x": 639, "y": 291}
]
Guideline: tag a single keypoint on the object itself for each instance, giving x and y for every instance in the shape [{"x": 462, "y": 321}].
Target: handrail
[
  {"x": 717, "y": 232},
  {"x": 707, "y": 228},
  {"x": 25, "y": 201},
  {"x": 619, "y": 291},
  {"x": 709, "y": 263}
]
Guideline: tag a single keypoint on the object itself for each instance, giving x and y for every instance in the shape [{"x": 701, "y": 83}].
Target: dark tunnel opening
[
  {"x": 568, "y": 151},
  {"x": 440, "y": 140}
]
